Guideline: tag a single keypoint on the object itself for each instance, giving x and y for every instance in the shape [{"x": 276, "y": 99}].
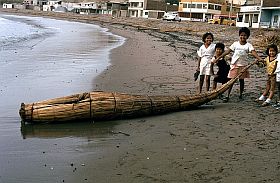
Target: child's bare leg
[
  {"x": 201, "y": 81},
  {"x": 271, "y": 94},
  {"x": 229, "y": 90},
  {"x": 214, "y": 85},
  {"x": 207, "y": 83},
  {"x": 278, "y": 86},
  {"x": 272, "y": 88},
  {"x": 242, "y": 84},
  {"x": 266, "y": 88}
]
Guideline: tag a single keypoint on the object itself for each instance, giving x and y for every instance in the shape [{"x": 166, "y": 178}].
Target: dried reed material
[{"x": 108, "y": 105}]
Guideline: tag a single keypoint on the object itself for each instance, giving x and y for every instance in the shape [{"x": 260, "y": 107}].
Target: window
[
  {"x": 228, "y": 8},
  {"x": 246, "y": 18},
  {"x": 256, "y": 18},
  {"x": 211, "y": 6},
  {"x": 146, "y": 13},
  {"x": 240, "y": 18},
  {"x": 204, "y": 6},
  {"x": 199, "y": 6},
  {"x": 191, "y": 5},
  {"x": 218, "y": 7},
  {"x": 185, "y": 5},
  {"x": 275, "y": 19}
]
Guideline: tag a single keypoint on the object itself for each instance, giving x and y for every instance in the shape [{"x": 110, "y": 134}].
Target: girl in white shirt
[
  {"x": 240, "y": 50},
  {"x": 205, "y": 54}
]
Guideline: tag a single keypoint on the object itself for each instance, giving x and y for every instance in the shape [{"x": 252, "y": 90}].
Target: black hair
[
  {"x": 205, "y": 36},
  {"x": 245, "y": 30},
  {"x": 220, "y": 45},
  {"x": 273, "y": 46}
]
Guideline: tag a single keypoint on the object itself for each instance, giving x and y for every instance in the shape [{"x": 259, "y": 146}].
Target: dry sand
[{"x": 229, "y": 142}]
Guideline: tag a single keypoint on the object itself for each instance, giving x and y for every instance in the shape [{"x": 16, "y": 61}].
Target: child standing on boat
[
  {"x": 240, "y": 50},
  {"x": 270, "y": 63},
  {"x": 205, "y": 54},
  {"x": 223, "y": 67}
]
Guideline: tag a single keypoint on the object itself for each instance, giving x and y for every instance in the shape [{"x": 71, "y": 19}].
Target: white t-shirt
[
  {"x": 206, "y": 54},
  {"x": 277, "y": 71},
  {"x": 240, "y": 53}
]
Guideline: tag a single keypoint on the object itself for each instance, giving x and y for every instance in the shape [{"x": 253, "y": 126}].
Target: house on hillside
[
  {"x": 150, "y": 8},
  {"x": 51, "y": 5},
  {"x": 202, "y": 10},
  {"x": 250, "y": 13},
  {"x": 34, "y": 4},
  {"x": 6, "y": 5},
  {"x": 270, "y": 14},
  {"x": 259, "y": 14},
  {"x": 116, "y": 9}
]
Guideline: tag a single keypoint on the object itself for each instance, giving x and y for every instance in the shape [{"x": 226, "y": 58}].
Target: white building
[
  {"x": 51, "y": 5},
  {"x": 202, "y": 10},
  {"x": 135, "y": 8},
  {"x": 259, "y": 14},
  {"x": 249, "y": 16},
  {"x": 5, "y": 5}
]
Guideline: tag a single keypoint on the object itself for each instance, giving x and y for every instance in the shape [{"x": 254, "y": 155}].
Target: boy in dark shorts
[{"x": 223, "y": 66}]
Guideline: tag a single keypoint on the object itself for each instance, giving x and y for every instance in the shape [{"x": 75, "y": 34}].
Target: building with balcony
[
  {"x": 116, "y": 9},
  {"x": 270, "y": 15},
  {"x": 135, "y": 8},
  {"x": 201, "y": 10},
  {"x": 150, "y": 8},
  {"x": 259, "y": 14},
  {"x": 250, "y": 13}
]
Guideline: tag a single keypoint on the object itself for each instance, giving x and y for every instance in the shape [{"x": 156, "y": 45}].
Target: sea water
[
  {"x": 43, "y": 58},
  {"x": 40, "y": 59}
]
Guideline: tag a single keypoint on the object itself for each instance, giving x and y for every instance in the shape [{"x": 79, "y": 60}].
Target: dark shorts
[{"x": 221, "y": 79}]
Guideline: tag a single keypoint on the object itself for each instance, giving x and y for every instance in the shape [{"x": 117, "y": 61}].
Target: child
[
  {"x": 223, "y": 67},
  {"x": 241, "y": 50},
  {"x": 277, "y": 72},
  {"x": 270, "y": 63},
  {"x": 205, "y": 54}
]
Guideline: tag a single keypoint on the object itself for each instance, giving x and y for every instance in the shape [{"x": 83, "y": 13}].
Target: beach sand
[{"x": 229, "y": 142}]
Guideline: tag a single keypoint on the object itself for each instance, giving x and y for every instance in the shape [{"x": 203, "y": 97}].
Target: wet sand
[{"x": 229, "y": 142}]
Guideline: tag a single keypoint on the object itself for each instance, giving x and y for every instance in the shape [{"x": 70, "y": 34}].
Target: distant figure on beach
[
  {"x": 223, "y": 66},
  {"x": 205, "y": 54},
  {"x": 240, "y": 50},
  {"x": 270, "y": 63}
]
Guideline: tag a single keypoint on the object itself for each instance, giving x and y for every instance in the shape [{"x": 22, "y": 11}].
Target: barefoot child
[
  {"x": 270, "y": 63},
  {"x": 240, "y": 50},
  {"x": 223, "y": 67},
  {"x": 205, "y": 54}
]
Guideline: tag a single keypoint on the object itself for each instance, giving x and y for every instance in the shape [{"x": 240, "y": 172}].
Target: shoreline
[
  {"x": 143, "y": 64},
  {"x": 220, "y": 142}
]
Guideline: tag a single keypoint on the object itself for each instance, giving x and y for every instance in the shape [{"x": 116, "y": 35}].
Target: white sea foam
[{"x": 45, "y": 53}]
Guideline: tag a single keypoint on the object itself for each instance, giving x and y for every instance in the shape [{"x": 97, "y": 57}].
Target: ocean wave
[{"x": 15, "y": 30}]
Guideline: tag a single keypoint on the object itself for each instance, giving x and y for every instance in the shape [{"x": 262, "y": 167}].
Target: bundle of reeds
[{"x": 107, "y": 105}]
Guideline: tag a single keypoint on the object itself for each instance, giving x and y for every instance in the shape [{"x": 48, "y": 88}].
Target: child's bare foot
[
  {"x": 266, "y": 102},
  {"x": 260, "y": 99},
  {"x": 240, "y": 97},
  {"x": 226, "y": 99}
]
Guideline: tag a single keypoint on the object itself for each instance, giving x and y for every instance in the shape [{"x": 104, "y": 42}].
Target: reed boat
[{"x": 100, "y": 105}]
